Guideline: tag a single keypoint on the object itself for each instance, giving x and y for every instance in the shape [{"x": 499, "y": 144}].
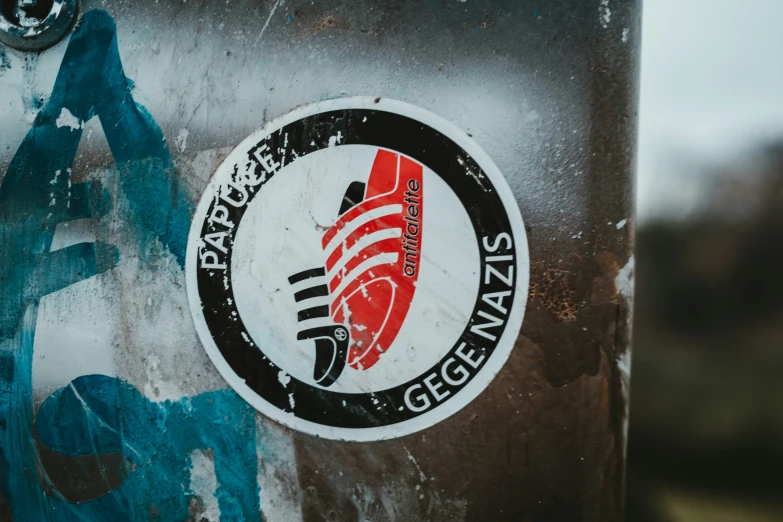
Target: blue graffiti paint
[
  {"x": 96, "y": 414},
  {"x": 146, "y": 170},
  {"x": 5, "y": 64}
]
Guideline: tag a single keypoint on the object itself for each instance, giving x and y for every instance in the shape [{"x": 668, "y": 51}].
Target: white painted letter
[
  {"x": 479, "y": 328},
  {"x": 266, "y": 161},
  {"x": 467, "y": 357},
  {"x": 434, "y": 387},
  {"x": 210, "y": 259},
  {"x": 421, "y": 398},
  {"x": 460, "y": 370},
  {"x": 501, "y": 237},
  {"x": 495, "y": 300}
]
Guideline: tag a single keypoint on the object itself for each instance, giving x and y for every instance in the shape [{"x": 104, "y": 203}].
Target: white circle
[
  {"x": 302, "y": 200},
  {"x": 435, "y": 414}
]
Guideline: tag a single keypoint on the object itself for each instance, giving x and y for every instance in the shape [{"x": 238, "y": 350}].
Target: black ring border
[{"x": 383, "y": 129}]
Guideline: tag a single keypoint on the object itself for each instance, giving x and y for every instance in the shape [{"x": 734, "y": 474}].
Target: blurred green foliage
[{"x": 706, "y": 426}]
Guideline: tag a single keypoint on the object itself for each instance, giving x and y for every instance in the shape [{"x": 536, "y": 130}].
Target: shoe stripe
[
  {"x": 381, "y": 259},
  {"x": 312, "y": 313},
  {"x": 307, "y": 274},
  {"x": 361, "y": 244},
  {"x": 360, "y": 220},
  {"x": 309, "y": 293}
]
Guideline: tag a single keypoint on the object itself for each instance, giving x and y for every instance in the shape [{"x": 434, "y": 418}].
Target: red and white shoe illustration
[{"x": 373, "y": 255}]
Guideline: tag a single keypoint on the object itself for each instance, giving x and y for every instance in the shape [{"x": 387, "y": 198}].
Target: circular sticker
[{"x": 357, "y": 269}]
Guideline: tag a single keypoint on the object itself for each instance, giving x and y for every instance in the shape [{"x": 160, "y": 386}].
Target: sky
[{"x": 711, "y": 89}]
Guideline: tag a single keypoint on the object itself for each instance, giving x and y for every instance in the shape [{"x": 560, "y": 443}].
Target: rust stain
[
  {"x": 554, "y": 288},
  {"x": 309, "y": 24},
  {"x": 331, "y": 22},
  {"x": 603, "y": 287}
]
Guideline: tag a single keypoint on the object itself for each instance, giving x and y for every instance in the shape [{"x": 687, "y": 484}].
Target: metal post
[{"x": 317, "y": 261}]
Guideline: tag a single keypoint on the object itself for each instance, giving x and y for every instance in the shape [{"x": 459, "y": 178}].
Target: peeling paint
[
  {"x": 604, "y": 14},
  {"x": 66, "y": 119},
  {"x": 624, "y": 281}
]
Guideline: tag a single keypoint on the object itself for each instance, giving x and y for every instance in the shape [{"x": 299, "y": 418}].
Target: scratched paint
[{"x": 97, "y": 415}]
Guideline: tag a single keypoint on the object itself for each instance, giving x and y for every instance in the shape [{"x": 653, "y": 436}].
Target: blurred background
[{"x": 706, "y": 427}]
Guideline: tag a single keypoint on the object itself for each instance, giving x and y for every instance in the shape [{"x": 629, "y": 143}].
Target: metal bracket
[{"x": 34, "y": 25}]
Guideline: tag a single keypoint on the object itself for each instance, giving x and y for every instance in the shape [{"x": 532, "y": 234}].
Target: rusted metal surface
[{"x": 547, "y": 90}]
